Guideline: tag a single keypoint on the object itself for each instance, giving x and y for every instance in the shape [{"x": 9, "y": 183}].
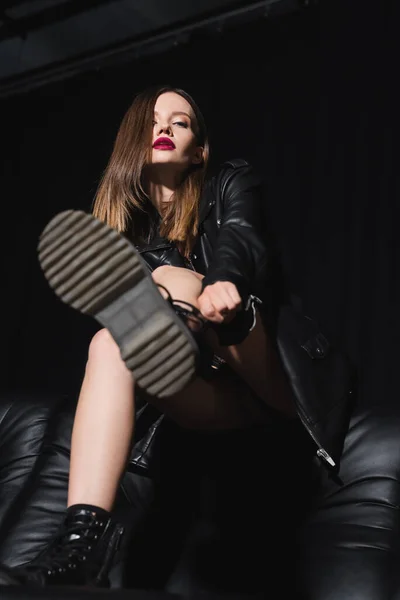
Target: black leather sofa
[{"x": 227, "y": 516}]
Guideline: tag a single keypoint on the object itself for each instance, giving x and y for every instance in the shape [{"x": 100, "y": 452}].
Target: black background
[{"x": 310, "y": 98}]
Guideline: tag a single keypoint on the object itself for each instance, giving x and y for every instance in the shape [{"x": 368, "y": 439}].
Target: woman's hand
[{"x": 219, "y": 302}]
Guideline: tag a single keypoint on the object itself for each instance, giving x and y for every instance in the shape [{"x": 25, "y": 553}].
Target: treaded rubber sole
[{"x": 97, "y": 271}]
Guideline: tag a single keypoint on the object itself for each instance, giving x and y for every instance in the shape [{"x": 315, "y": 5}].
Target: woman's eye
[{"x": 181, "y": 124}]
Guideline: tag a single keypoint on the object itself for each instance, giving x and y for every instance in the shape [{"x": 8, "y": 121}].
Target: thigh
[
  {"x": 224, "y": 402},
  {"x": 256, "y": 360}
]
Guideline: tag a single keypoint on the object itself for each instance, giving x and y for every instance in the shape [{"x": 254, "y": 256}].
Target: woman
[{"x": 176, "y": 295}]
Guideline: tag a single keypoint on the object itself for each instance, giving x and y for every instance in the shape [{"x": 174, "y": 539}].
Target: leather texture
[
  {"x": 81, "y": 554},
  {"x": 35, "y": 434},
  {"x": 349, "y": 542},
  {"x": 182, "y": 492},
  {"x": 231, "y": 246},
  {"x": 323, "y": 381},
  {"x": 347, "y": 546}
]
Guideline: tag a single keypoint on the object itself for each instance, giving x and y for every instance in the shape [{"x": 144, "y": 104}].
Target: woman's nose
[{"x": 164, "y": 129}]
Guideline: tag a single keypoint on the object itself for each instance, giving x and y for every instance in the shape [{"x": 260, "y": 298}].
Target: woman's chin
[
  {"x": 169, "y": 162},
  {"x": 165, "y": 171},
  {"x": 162, "y": 156}
]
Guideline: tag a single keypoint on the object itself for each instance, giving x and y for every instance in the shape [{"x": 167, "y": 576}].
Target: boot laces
[
  {"x": 188, "y": 312},
  {"x": 70, "y": 547}
]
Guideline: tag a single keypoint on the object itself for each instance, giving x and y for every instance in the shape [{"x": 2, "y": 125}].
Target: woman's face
[{"x": 174, "y": 140}]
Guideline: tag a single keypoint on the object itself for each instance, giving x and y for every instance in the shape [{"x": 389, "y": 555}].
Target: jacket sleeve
[{"x": 240, "y": 253}]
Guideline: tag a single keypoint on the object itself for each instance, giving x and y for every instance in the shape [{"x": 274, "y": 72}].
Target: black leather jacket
[{"x": 231, "y": 247}]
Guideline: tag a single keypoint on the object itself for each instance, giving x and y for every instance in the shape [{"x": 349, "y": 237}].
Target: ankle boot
[{"x": 82, "y": 553}]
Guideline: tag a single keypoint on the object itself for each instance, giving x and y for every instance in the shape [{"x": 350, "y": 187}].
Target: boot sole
[{"x": 94, "y": 269}]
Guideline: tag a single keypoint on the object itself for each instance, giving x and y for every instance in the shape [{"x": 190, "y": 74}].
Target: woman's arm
[{"x": 240, "y": 252}]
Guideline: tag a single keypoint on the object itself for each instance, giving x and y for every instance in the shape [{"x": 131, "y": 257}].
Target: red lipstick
[{"x": 164, "y": 143}]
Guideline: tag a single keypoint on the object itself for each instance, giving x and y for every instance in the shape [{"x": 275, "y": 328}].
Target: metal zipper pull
[{"x": 321, "y": 453}]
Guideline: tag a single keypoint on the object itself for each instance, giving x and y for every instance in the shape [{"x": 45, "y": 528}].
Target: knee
[
  {"x": 161, "y": 273},
  {"x": 103, "y": 347},
  {"x": 168, "y": 274},
  {"x": 178, "y": 283}
]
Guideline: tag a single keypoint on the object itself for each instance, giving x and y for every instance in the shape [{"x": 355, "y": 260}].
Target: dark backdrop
[{"x": 309, "y": 98}]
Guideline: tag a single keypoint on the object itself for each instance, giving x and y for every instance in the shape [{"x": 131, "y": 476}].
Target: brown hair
[{"x": 122, "y": 202}]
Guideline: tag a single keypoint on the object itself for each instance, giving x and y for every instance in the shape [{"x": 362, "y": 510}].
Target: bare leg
[
  {"x": 104, "y": 420},
  {"x": 103, "y": 426},
  {"x": 255, "y": 359},
  {"x": 257, "y": 362}
]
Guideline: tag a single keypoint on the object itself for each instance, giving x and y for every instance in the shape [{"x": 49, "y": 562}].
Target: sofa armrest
[
  {"x": 32, "y": 491},
  {"x": 349, "y": 544},
  {"x": 35, "y": 438}
]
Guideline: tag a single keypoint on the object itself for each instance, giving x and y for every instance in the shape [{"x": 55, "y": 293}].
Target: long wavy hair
[{"x": 121, "y": 200}]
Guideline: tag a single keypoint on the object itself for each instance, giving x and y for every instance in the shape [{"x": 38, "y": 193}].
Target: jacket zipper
[{"x": 321, "y": 452}]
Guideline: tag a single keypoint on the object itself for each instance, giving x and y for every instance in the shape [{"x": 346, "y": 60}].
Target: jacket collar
[
  {"x": 157, "y": 243},
  {"x": 206, "y": 203}
]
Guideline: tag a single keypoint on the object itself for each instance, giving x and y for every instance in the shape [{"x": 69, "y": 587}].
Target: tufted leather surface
[
  {"x": 231, "y": 508},
  {"x": 35, "y": 433},
  {"x": 25, "y": 426},
  {"x": 350, "y": 543}
]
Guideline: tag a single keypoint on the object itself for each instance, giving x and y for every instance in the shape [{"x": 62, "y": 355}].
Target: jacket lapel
[
  {"x": 157, "y": 243},
  {"x": 207, "y": 201}
]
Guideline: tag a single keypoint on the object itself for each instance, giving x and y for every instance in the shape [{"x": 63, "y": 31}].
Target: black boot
[
  {"x": 206, "y": 361},
  {"x": 81, "y": 554},
  {"x": 96, "y": 270}
]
